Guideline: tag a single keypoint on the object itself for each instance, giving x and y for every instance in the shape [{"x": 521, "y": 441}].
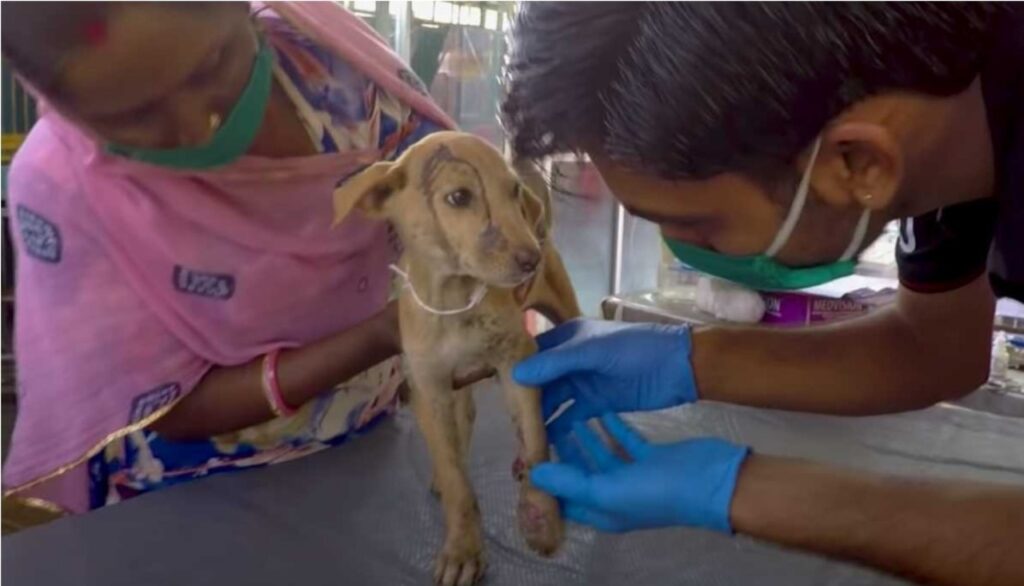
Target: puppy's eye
[{"x": 459, "y": 198}]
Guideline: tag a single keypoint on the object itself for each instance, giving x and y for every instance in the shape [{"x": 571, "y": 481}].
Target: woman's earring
[{"x": 214, "y": 121}]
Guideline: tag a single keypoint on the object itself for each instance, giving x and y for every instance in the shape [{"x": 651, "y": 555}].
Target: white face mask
[{"x": 797, "y": 208}]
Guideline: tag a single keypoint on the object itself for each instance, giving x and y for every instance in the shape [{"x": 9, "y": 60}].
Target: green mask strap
[
  {"x": 762, "y": 271},
  {"x": 231, "y": 140}
]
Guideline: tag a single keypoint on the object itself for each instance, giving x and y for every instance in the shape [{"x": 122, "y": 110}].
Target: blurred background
[{"x": 457, "y": 48}]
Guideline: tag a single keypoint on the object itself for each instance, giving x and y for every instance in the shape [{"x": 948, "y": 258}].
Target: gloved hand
[
  {"x": 690, "y": 482},
  {"x": 609, "y": 367}
]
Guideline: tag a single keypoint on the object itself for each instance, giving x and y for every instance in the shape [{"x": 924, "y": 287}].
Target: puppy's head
[{"x": 457, "y": 205}]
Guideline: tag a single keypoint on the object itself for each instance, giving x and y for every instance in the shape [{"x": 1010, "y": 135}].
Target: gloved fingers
[
  {"x": 590, "y": 516},
  {"x": 558, "y": 334},
  {"x": 554, "y": 396},
  {"x": 549, "y": 365},
  {"x": 562, "y": 425},
  {"x": 631, "y": 441},
  {"x": 594, "y": 448},
  {"x": 563, "y": 480},
  {"x": 569, "y": 451}
]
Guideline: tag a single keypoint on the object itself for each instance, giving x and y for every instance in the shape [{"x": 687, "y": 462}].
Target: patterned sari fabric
[
  {"x": 134, "y": 280},
  {"x": 342, "y": 110}
]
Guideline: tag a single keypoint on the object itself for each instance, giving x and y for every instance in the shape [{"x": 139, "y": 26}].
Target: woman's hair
[
  {"x": 692, "y": 89},
  {"x": 37, "y": 36}
]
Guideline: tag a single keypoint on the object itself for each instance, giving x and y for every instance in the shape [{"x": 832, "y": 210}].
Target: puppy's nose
[{"x": 527, "y": 259}]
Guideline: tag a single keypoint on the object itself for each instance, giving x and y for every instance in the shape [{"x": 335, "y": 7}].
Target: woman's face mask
[
  {"x": 231, "y": 139},
  {"x": 762, "y": 271}
]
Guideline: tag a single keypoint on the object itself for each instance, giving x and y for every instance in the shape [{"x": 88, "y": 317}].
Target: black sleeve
[{"x": 946, "y": 249}]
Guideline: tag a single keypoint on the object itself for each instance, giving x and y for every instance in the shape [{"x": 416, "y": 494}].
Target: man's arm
[
  {"x": 935, "y": 532},
  {"x": 925, "y": 349},
  {"x": 938, "y": 532}
]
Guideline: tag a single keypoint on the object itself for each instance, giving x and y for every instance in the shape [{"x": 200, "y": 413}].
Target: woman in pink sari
[{"x": 183, "y": 306}]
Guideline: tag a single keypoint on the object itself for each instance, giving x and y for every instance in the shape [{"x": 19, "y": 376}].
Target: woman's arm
[{"x": 231, "y": 397}]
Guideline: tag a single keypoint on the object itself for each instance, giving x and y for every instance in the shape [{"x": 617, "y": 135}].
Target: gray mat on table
[{"x": 361, "y": 513}]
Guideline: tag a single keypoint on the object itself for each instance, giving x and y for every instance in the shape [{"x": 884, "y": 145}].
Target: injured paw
[
  {"x": 539, "y": 520},
  {"x": 460, "y": 563},
  {"x": 519, "y": 469},
  {"x": 434, "y": 489}
]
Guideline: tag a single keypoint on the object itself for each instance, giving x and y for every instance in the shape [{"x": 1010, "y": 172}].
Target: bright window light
[
  {"x": 444, "y": 12},
  {"x": 423, "y": 10},
  {"x": 491, "y": 20},
  {"x": 365, "y": 6}
]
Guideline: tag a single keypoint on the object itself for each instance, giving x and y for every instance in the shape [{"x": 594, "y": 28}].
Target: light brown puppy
[{"x": 477, "y": 253}]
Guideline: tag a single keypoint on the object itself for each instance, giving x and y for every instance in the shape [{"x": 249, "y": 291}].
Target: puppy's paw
[
  {"x": 519, "y": 469},
  {"x": 539, "y": 521},
  {"x": 460, "y": 563}
]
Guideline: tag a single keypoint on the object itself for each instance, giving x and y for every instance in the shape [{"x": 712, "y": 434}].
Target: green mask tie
[{"x": 231, "y": 140}]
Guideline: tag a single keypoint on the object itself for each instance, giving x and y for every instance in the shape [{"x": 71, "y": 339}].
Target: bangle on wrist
[{"x": 271, "y": 388}]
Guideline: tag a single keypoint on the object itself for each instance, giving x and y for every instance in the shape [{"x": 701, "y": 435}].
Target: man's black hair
[{"x": 692, "y": 89}]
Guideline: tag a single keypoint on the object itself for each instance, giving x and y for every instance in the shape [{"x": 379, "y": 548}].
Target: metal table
[{"x": 361, "y": 513}]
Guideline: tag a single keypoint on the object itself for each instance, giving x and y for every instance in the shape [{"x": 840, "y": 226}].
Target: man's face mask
[
  {"x": 231, "y": 140},
  {"x": 762, "y": 271}
]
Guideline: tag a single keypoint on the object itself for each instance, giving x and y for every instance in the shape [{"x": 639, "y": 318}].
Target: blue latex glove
[
  {"x": 690, "y": 482},
  {"x": 606, "y": 367}
]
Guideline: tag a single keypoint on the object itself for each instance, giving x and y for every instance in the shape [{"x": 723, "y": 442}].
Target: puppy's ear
[
  {"x": 536, "y": 214},
  {"x": 536, "y": 196},
  {"x": 369, "y": 191}
]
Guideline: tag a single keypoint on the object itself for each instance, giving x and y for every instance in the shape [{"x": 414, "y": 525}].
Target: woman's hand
[{"x": 388, "y": 331}]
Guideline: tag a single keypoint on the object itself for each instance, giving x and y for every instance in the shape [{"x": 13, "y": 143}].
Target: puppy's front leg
[
  {"x": 465, "y": 415},
  {"x": 461, "y": 560},
  {"x": 539, "y": 519}
]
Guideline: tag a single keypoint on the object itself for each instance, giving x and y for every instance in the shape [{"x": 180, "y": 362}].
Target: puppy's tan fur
[{"x": 466, "y": 217}]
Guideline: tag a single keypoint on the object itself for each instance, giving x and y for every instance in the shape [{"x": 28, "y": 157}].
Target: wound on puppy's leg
[
  {"x": 519, "y": 469},
  {"x": 533, "y": 513}
]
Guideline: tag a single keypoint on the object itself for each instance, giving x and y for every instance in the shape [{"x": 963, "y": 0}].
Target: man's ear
[
  {"x": 369, "y": 191},
  {"x": 859, "y": 163}
]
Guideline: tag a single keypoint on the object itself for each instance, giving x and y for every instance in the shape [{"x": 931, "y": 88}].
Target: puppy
[{"x": 476, "y": 254}]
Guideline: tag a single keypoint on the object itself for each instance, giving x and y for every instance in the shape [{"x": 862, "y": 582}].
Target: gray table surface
[{"x": 361, "y": 513}]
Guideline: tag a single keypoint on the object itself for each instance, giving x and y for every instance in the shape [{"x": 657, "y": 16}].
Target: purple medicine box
[{"x": 801, "y": 309}]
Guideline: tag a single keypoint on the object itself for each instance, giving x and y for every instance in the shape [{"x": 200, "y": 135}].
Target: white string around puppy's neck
[
  {"x": 478, "y": 295},
  {"x": 481, "y": 289}
]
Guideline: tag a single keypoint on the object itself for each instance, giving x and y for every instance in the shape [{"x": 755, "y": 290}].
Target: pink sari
[{"x": 134, "y": 280}]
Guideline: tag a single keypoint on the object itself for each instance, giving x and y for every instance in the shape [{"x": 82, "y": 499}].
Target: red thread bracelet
[{"x": 271, "y": 388}]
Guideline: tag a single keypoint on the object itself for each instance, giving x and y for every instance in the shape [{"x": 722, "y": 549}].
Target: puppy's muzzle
[{"x": 527, "y": 259}]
